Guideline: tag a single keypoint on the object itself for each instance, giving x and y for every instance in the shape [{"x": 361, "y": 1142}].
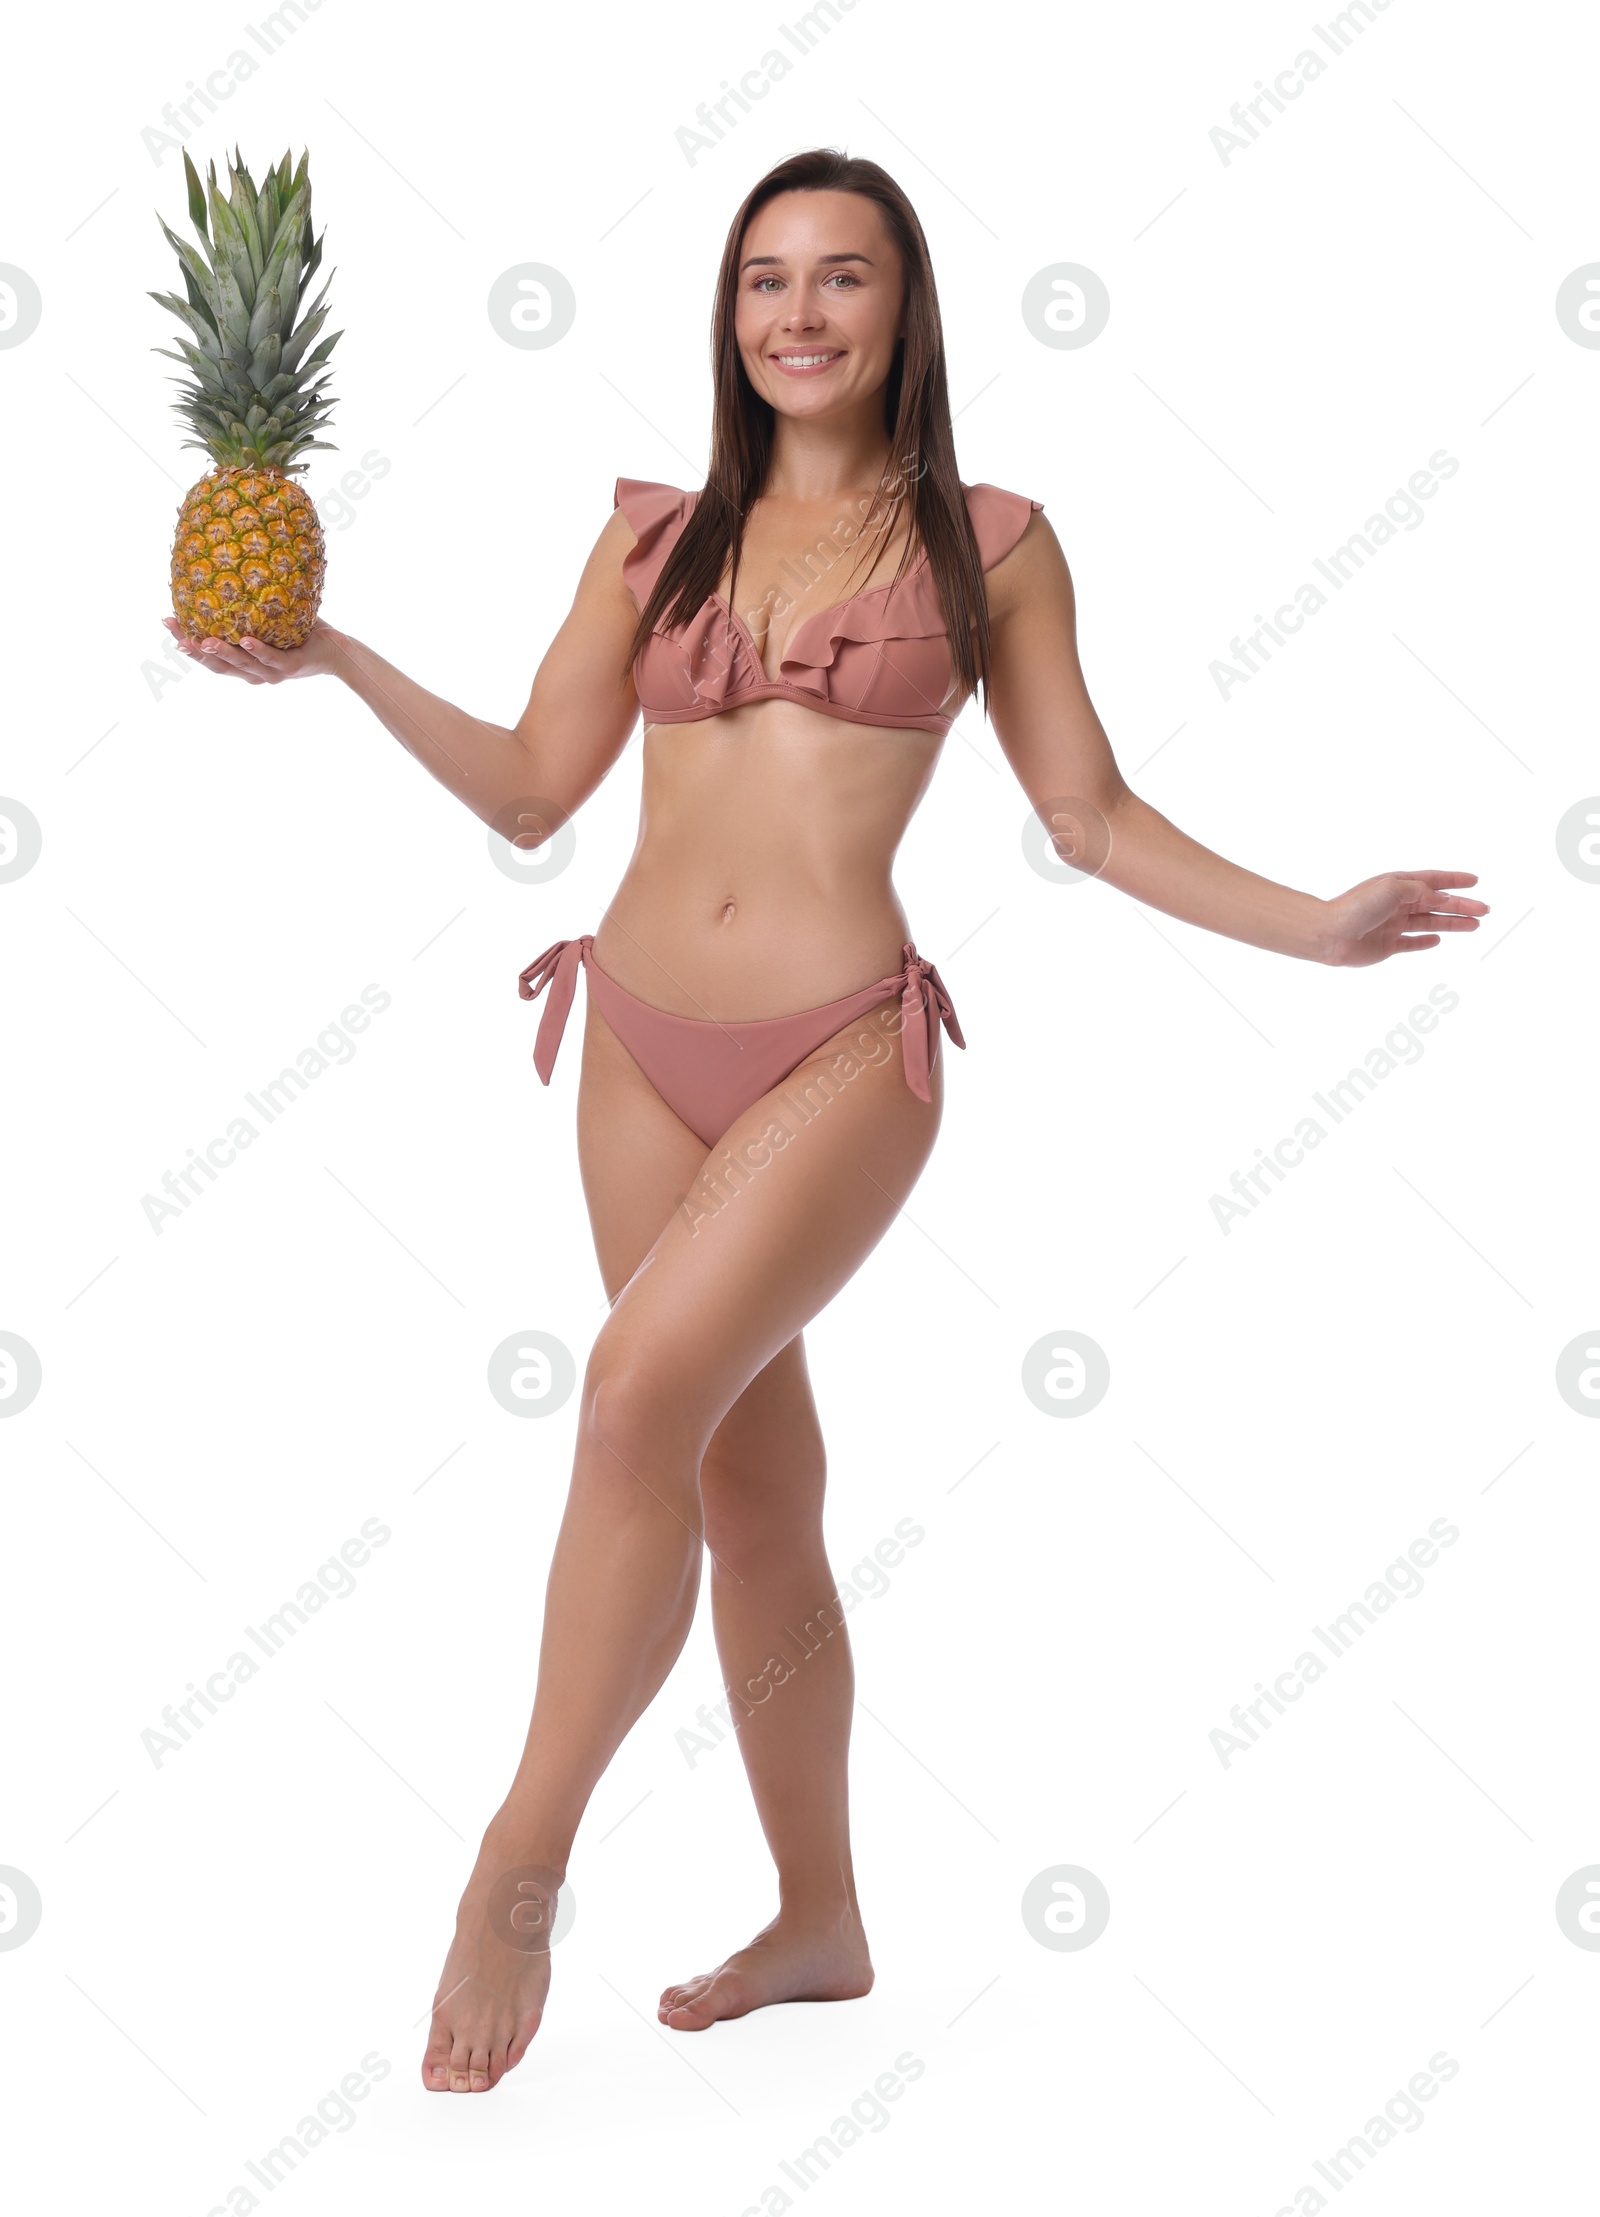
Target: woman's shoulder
[
  {"x": 655, "y": 515},
  {"x": 646, "y": 504},
  {"x": 998, "y": 518}
]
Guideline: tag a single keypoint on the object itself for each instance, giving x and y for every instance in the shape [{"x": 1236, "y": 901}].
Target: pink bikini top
[{"x": 880, "y": 657}]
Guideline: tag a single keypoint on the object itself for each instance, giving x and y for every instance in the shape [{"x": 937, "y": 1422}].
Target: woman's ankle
[
  {"x": 516, "y": 1835},
  {"x": 819, "y": 1907}
]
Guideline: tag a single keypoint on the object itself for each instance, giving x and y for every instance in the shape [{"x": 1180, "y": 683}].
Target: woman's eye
[{"x": 840, "y": 277}]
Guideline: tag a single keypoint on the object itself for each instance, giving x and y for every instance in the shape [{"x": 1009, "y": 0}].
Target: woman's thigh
[
  {"x": 638, "y": 1163},
  {"x": 715, "y": 1260},
  {"x": 636, "y": 1159}
]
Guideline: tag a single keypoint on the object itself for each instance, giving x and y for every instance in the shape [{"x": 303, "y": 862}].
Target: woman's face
[{"x": 820, "y": 302}]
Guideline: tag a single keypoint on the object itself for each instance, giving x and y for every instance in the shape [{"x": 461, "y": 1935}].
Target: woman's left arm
[{"x": 1056, "y": 744}]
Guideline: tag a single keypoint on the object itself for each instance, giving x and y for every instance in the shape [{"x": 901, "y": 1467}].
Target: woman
[{"x": 753, "y": 989}]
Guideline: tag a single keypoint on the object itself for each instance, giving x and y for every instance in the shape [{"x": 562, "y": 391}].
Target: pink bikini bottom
[{"x": 709, "y": 1073}]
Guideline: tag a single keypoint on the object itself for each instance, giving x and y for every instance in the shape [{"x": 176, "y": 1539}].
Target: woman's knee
[
  {"x": 761, "y": 1505},
  {"x": 643, "y": 1405}
]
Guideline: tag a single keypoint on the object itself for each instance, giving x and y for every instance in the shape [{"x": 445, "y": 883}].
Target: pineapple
[{"x": 248, "y": 556}]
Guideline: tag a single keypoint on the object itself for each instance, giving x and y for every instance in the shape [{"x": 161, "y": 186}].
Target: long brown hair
[{"x": 922, "y": 462}]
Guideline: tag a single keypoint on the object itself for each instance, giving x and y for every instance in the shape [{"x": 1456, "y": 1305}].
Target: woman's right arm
[{"x": 575, "y": 726}]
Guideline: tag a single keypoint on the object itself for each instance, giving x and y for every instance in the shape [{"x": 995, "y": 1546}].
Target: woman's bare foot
[
  {"x": 796, "y": 1958},
  {"x": 492, "y": 1989}
]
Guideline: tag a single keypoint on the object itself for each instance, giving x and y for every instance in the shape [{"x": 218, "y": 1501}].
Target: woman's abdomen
[{"x": 761, "y": 883}]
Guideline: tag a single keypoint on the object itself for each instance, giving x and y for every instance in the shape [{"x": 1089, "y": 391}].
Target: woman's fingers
[
  {"x": 223, "y": 666},
  {"x": 1404, "y": 912},
  {"x": 249, "y": 658},
  {"x": 222, "y": 654},
  {"x": 270, "y": 659},
  {"x": 1438, "y": 899}
]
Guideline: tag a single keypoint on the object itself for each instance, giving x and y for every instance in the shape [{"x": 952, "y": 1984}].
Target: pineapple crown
[{"x": 254, "y": 396}]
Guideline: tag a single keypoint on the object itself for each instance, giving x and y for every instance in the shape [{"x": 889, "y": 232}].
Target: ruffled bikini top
[{"x": 880, "y": 657}]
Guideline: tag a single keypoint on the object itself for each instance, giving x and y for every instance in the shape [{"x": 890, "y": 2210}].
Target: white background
[{"x": 1292, "y": 1403}]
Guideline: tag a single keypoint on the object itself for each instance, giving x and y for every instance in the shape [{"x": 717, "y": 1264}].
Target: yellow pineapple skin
[{"x": 248, "y": 558}]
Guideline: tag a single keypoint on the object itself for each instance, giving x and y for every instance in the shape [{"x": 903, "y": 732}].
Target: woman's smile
[{"x": 811, "y": 363}]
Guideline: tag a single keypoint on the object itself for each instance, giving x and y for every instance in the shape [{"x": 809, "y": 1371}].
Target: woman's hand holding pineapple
[{"x": 256, "y": 662}]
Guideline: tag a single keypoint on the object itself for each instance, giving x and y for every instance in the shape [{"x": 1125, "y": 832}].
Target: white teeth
[{"x": 806, "y": 361}]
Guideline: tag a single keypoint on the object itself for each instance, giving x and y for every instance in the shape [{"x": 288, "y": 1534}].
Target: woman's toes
[
  {"x": 697, "y": 2005},
  {"x": 728, "y": 1994}
]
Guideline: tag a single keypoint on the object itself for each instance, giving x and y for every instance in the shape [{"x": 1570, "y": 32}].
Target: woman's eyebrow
[{"x": 762, "y": 261}]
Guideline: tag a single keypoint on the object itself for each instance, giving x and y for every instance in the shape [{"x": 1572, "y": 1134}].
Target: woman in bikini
[{"x": 799, "y": 636}]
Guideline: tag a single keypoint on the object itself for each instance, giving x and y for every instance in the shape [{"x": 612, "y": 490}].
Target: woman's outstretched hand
[
  {"x": 1402, "y": 912},
  {"x": 256, "y": 662}
]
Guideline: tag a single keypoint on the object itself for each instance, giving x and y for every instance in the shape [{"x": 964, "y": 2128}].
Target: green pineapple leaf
[
  {"x": 197, "y": 199},
  {"x": 242, "y": 201},
  {"x": 264, "y": 317},
  {"x": 265, "y": 359},
  {"x": 288, "y": 295},
  {"x": 201, "y": 364},
  {"x": 308, "y": 326},
  {"x": 267, "y": 209},
  {"x": 291, "y": 222},
  {"x": 304, "y": 332},
  {"x": 237, "y": 383},
  {"x": 283, "y": 263},
  {"x": 198, "y": 301},
  {"x": 232, "y": 246},
  {"x": 213, "y": 246},
  {"x": 191, "y": 261},
  {"x": 202, "y": 327},
  {"x": 233, "y": 318}
]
